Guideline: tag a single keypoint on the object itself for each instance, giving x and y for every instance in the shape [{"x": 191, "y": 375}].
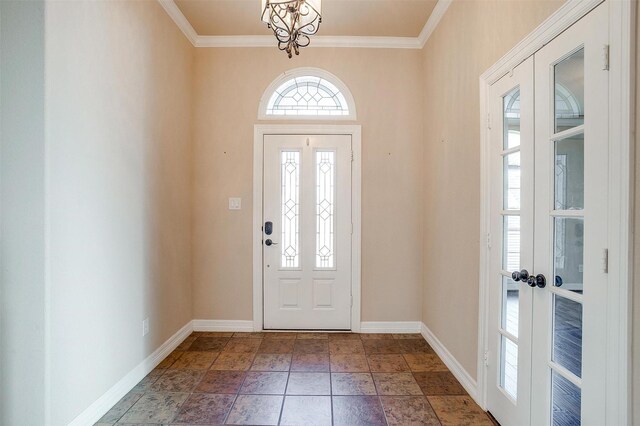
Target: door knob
[
  {"x": 520, "y": 276},
  {"x": 537, "y": 281},
  {"x": 268, "y": 242}
]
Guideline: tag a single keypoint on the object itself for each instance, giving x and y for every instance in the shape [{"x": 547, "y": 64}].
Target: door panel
[
  {"x": 571, "y": 157},
  {"x": 307, "y": 255},
  {"x": 509, "y": 355}
]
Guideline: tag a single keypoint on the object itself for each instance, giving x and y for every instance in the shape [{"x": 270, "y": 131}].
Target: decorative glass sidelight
[
  {"x": 290, "y": 207},
  {"x": 325, "y": 162}
]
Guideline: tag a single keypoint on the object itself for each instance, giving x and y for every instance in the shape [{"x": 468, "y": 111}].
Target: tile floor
[{"x": 305, "y": 379}]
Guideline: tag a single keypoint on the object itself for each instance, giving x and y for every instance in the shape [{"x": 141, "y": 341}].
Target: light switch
[{"x": 235, "y": 203}]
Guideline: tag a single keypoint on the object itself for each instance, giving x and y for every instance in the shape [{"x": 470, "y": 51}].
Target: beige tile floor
[{"x": 299, "y": 379}]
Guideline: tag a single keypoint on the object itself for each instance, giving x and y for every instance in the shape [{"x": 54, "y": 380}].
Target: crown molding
[
  {"x": 372, "y": 42},
  {"x": 434, "y": 19},
  {"x": 181, "y": 21}
]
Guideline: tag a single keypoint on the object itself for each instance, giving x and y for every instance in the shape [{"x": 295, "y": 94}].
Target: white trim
[
  {"x": 485, "y": 241},
  {"x": 222, "y": 325},
  {"x": 434, "y": 19},
  {"x": 622, "y": 58},
  {"x": 300, "y": 72},
  {"x": 621, "y": 190},
  {"x": 95, "y": 411},
  {"x": 366, "y": 42},
  {"x": 355, "y": 132},
  {"x": 181, "y": 21},
  {"x": 463, "y": 376},
  {"x": 398, "y": 327},
  {"x": 568, "y": 14}
]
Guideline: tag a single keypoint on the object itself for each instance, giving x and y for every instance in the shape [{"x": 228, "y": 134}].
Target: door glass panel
[
  {"x": 567, "y": 334},
  {"x": 509, "y": 366},
  {"x": 512, "y": 181},
  {"x": 510, "y": 305},
  {"x": 566, "y": 399},
  {"x": 569, "y": 173},
  {"x": 511, "y": 119},
  {"x": 568, "y": 253},
  {"x": 569, "y": 92},
  {"x": 511, "y": 245},
  {"x": 290, "y": 207},
  {"x": 325, "y": 206}
]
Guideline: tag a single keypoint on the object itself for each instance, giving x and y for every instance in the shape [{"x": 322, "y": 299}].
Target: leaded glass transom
[
  {"x": 290, "y": 207},
  {"x": 325, "y": 208},
  {"x": 307, "y": 95}
]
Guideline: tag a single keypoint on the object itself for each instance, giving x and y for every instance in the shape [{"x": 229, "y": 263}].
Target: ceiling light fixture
[{"x": 292, "y": 22}]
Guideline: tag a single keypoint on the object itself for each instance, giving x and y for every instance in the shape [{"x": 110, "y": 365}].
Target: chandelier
[{"x": 292, "y": 22}]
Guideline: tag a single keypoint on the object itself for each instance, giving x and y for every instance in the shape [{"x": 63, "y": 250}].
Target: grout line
[
  {"x": 284, "y": 396},
  {"x": 331, "y": 396},
  {"x": 127, "y": 410},
  {"x": 432, "y": 409},
  {"x": 226, "y": 417}
]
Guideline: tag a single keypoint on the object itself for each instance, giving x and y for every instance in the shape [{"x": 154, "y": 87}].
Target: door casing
[
  {"x": 621, "y": 186},
  {"x": 259, "y": 131}
]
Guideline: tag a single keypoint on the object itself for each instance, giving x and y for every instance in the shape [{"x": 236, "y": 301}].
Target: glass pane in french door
[
  {"x": 567, "y": 401},
  {"x": 567, "y": 216},
  {"x": 510, "y": 294},
  {"x": 569, "y": 92}
]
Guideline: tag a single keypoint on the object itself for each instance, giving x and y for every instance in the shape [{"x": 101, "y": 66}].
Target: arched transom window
[{"x": 307, "y": 93}]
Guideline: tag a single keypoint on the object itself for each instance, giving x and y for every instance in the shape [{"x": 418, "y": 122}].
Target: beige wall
[
  {"x": 22, "y": 240},
  {"x": 118, "y": 108},
  {"x": 469, "y": 39},
  {"x": 386, "y": 85}
]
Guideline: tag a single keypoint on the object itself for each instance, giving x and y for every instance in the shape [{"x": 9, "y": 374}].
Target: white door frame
[
  {"x": 355, "y": 132},
  {"x": 621, "y": 186}
]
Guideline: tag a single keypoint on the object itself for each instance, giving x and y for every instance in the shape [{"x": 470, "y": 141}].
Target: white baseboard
[
  {"x": 98, "y": 409},
  {"x": 390, "y": 327},
  {"x": 465, "y": 379},
  {"x": 222, "y": 325}
]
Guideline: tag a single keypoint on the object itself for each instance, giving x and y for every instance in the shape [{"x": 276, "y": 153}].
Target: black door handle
[
  {"x": 268, "y": 242},
  {"x": 520, "y": 276},
  {"x": 540, "y": 281},
  {"x": 532, "y": 280}
]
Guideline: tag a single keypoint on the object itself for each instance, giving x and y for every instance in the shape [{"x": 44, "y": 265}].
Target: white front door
[
  {"x": 546, "y": 359},
  {"x": 307, "y": 230}
]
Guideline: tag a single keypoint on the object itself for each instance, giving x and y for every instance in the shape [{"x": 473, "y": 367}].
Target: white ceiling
[{"x": 368, "y": 18}]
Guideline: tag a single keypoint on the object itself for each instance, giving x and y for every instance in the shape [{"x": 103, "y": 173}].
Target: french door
[
  {"x": 547, "y": 351},
  {"x": 307, "y": 232}
]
